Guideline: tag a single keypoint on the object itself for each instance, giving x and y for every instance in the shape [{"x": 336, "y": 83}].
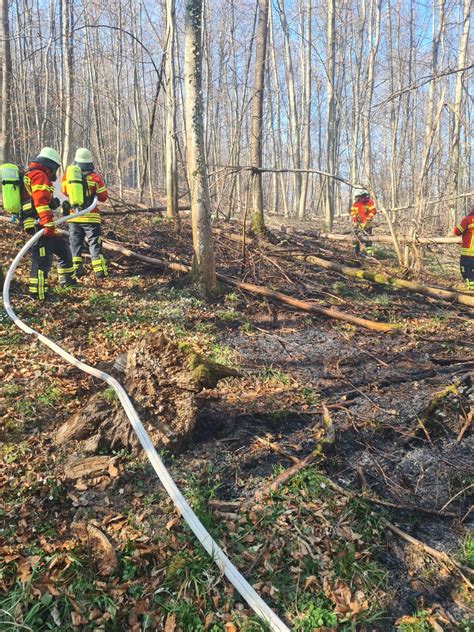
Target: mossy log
[
  {"x": 443, "y": 294},
  {"x": 163, "y": 380}
]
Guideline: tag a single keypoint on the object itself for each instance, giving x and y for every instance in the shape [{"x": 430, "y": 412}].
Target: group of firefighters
[{"x": 33, "y": 193}]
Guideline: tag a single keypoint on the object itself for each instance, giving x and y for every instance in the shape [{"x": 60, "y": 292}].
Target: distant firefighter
[
  {"x": 362, "y": 213},
  {"x": 465, "y": 229}
]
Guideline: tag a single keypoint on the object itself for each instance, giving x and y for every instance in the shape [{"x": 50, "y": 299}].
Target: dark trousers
[
  {"x": 78, "y": 232},
  {"x": 467, "y": 270},
  {"x": 42, "y": 260},
  {"x": 362, "y": 238}
]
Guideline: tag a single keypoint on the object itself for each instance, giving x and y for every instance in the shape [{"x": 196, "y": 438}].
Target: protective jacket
[
  {"x": 465, "y": 228},
  {"x": 363, "y": 211},
  {"x": 94, "y": 185},
  {"x": 37, "y": 196}
]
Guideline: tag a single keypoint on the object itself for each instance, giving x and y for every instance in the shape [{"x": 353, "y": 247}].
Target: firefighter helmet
[
  {"x": 50, "y": 154},
  {"x": 83, "y": 155},
  {"x": 360, "y": 191}
]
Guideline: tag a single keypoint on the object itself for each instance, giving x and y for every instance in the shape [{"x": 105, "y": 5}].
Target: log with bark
[
  {"x": 305, "y": 306},
  {"x": 388, "y": 239},
  {"x": 443, "y": 294},
  {"x": 163, "y": 380}
]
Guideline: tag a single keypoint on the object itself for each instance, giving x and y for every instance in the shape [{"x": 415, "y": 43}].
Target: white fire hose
[{"x": 225, "y": 565}]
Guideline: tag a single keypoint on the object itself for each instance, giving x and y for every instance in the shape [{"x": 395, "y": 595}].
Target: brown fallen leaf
[
  {"x": 170, "y": 623},
  {"x": 230, "y": 627}
]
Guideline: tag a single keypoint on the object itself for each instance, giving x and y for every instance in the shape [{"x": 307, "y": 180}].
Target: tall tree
[
  {"x": 67, "y": 44},
  {"x": 171, "y": 164},
  {"x": 331, "y": 112},
  {"x": 258, "y": 220},
  {"x": 5, "y": 82},
  {"x": 204, "y": 262}
]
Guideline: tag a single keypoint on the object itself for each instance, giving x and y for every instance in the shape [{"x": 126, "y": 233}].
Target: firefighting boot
[
  {"x": 78, "y": 267},
  {"x": 100, "y": 268},
  {"x": 66, "y": 277},
  {"x": 38, "y": 287}
]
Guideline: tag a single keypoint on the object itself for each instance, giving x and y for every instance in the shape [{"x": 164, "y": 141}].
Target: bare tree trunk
[
  {"x": 307, "y": 112},
  {"x": 204, "y": 261},
  {"x": 295, "y": 131},
  {"x": 331, "y": 112},
  {"x": 171, "y": 165},
  {"x": 6, "y": 76},
  {"x": 67, "y": 45},
  {"x": 374, "y": 46},
  {"x": 258, "y": 221}
]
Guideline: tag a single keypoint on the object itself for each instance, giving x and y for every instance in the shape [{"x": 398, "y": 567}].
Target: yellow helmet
[
  {"x": 83, "y": 155},
  {"x": 50, "y": 154}
]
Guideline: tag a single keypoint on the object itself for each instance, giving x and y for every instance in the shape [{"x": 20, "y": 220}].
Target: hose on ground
[{"x": 226, "y": 567}]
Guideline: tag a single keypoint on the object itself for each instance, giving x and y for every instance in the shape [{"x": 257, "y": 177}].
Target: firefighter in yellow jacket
[{"x": 89, "y": 225}]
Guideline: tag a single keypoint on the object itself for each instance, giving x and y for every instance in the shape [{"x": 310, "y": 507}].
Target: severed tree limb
[
  {"x": 142, "y": 209},
  {"x": 443, "y": 294},
  {"x": 443, "y": 558},
  {"x": 257, "y": 289},
  {"x": 388, "y": 239}
]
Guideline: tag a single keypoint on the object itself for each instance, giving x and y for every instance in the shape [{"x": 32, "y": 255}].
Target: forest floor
[{"x": 319, "y": 549}]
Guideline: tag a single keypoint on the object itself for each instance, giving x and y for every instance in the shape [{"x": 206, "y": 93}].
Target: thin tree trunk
[
  {"x": 6, "y": 77},
  {"x": 307, "y": 112},
  {"x": 204, "y": 262},
  {"x": 171, "y": 164},
  {"x": 258, "y": 220},
  {"x": 331, "y": 111},
  {"x": 67, "y": 44}
]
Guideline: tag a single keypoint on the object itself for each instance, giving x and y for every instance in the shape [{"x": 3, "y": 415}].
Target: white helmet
[
  {"x": 83, "y": 155},
  {"x": 359, "y": 191},
  {"x": 50, "y": 154}
]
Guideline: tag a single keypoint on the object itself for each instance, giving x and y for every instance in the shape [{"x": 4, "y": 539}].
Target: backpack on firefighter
[
  {"x": 76, "y": 186},
  {"x": 11, "y": 177}
]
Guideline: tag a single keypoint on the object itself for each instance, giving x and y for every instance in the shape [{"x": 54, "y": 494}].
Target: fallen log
[
  {"x": 443, "y": 294},
  {"x": 257, "y": 289},
  {"x": 139, "y": 209},
  {"x": 387, "y": 239}
]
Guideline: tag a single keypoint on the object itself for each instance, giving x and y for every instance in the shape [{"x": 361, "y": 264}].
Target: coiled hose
[{"x": 225, "y": 565}]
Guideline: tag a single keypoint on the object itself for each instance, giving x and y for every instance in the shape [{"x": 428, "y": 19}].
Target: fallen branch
[
  {"x": 256, "y": 289},
  {"x": 387, "y": 239},
  {"x": 403, "y": 379},
  {"x": 442, "y": 557},
  {"x": 443, "y": 294},
  {"x": 139, "y": 209}
]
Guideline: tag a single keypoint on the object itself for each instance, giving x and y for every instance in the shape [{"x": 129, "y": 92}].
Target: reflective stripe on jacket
[
  {"x": 363, "y": 211},
  {"x": 39, "y": 187}
]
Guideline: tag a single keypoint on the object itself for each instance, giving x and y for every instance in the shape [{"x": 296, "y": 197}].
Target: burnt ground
[{"x": 322, "y": 559}]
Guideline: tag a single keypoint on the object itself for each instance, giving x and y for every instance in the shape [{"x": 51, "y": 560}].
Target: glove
[
  {"x": 363, "y": 226},
  {"x": 54, "y": 204},
  {"x": 47, "y": 222},
  {"x": 49, "y": 231},
  {"x": 66, "y": 208}
]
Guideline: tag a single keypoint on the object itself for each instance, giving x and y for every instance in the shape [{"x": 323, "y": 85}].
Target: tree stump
[{"x": 163, "y": 380}]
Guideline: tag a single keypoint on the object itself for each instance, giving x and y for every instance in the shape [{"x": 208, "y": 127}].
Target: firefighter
[
  {"x": 465, "y": 229},
  {"x": 362, "y": 214},
  {"x": 38, "y": 204},
  {"x": 88, "y": 226}
]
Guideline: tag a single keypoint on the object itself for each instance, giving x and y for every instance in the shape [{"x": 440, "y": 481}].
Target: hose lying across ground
[{"x": 225, "y": 565}]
